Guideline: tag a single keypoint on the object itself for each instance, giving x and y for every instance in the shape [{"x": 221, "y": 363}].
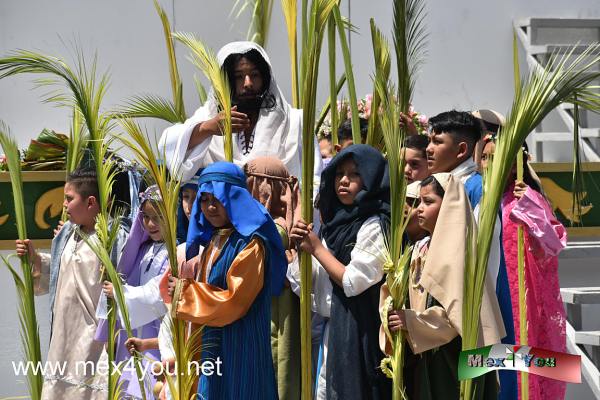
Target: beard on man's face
[{"x": 248, "y": 101}]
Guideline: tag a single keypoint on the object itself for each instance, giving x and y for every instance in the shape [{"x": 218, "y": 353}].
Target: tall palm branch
[
  {"x": 154, "y": 106},
  {"x": 381, "y": 53},
  {"x": 260, "y": 21},
  {"x": 342, "y": 25},
  {"x": 30, "y": 336},
  {"x": 541, "y": 92},
  {"x": 410, "y": 39},
  {"x": 320, "y": 11},
  {"x": 206, "y": 61},
  {"x": 290, "y": 13},
  {"x": 84, "y": 93},
  {"x": 398, "y": 256},
  {"x": 168, "y": 186}
]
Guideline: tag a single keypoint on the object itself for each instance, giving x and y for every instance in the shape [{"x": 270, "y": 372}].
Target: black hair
[
  {"x": 462, "y": 126},
  {"x": 417, "y": 142},
  {"x": 435, "y": 184},
  {"x": 120, "y": 190},
  {"x": 84, "y": 181},
  {"x": 263, "y": 67},
  {"x": 345, "y": 130}
]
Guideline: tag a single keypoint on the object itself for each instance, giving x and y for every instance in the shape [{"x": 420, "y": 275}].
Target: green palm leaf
[
  {"x": 349, "y": 74},
  {"x": 410, "y": 39},
  {"x": 320, "y": 11},
  {"x": 150, "y": 106},
  {"x": 290, "y": 12},
  {"x": 258, "y": 32},
  {"x": 205, "y": 60},
  {"x": 168, "y": 185},
  {"x": 84, "y": 93},
  {"x": 397, "y": 265},
  {"x": 381, "y": 52},
  {"x": 30, "y": 337},
  {"x": 176, "y": 85}
]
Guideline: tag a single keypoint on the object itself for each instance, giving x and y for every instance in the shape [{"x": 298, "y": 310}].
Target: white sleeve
[
  {"x": 293, "y": 275},
  {"x": 493, "y": 266},
  {"x": 320, "y": 296},
  {"x": 366, "y": 260},
  {"x": 174, "y": 143},
  {"x": 144, "y": 303},
  {"x": 322, "y": 290}
]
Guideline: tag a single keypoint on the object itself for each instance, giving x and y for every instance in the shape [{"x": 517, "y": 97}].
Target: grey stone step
[
  {"x": 581, "y": 295},
  {"x": 591, "y": 338},
  {"x": 534, "y": 22}
]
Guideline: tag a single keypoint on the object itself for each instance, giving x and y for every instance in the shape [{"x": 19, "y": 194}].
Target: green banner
[
  {"x": 556, "y": 179},
  {"x": 43, "y": 196}
]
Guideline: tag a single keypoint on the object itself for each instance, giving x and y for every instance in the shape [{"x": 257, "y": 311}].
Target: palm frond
[
  {"x": 258, "y": 31},
  {"x": 290, "y": 12},
  {"x": 410, "y": 38},
  {"x": 176, "y": 85},
  {"x": 30, "y": 336},
  {"x": 356, "y": 138},
  {"x": 311, "y": 52},
  {"x": 201, "y": 90},
  {"x": 577, "y": 187},
  {"x": 542, "y": 91},
  {"x": 381, "y": 53},
  {"x": 84, "y": 93},
  {"x": 332, "y": 85},
  {"x": 149, "y": 106},
  {"x": 520, "y": 237},
  {"x": 106, "y": 233},
  {"x": 397, "y": 268},
  {"x": 168, "y": 185},
  {"x": 206, "y": 60},
  {"x": 327, "y": 107}
]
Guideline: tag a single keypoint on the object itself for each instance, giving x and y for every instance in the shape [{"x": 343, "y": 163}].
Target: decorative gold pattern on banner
[{"x": 52, "y": 201}]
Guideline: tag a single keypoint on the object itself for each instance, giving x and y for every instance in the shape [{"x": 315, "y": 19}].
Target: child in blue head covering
[{"x": 243, "y": 264}]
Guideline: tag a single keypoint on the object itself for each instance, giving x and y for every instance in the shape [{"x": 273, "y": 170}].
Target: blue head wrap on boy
[{"x": 227, "y": 182}]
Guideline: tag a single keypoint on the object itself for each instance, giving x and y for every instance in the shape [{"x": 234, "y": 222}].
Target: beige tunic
[
  {"x": 72, "y": 345},
  {"x": 426, "y": 327}
]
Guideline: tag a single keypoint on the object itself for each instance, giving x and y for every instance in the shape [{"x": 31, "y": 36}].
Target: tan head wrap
[{"x": 270, "y": 183}]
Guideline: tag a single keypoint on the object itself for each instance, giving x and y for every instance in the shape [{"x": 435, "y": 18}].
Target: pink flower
[{"x": 423, "y": 120}]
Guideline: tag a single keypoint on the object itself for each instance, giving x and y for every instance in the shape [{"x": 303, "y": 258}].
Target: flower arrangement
[{"x": 420, "y": 121}]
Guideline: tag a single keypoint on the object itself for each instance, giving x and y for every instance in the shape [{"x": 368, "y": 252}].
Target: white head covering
[{"x": 412, "y": 190}]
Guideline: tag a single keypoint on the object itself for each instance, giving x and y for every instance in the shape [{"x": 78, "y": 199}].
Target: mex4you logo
[{"x": 551, "y": 364}]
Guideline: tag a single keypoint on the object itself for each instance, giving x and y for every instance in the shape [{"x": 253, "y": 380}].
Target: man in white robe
[{"x": 264, "y": 124}]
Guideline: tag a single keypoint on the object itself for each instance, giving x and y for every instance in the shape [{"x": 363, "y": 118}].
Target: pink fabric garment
[{"x": 545, "y": 237}]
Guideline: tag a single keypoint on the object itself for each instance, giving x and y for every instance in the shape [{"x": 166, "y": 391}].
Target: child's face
[
  {"x": 213, "y": 210},
  {"x": 347, "y": 182},
  {"x": 413, "y": 229},
  {"x": 429, "y": 208},
  {"x": 443, "y": 154},
  {"x": 81, "y": 211},
  {"x": 188, "y": 196},
  {"x": 151, "y": 221},
  {"x": 415, "y": 168},
  {"x": 325, "y": 148},
  {"x": 486, "y": 155}
]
